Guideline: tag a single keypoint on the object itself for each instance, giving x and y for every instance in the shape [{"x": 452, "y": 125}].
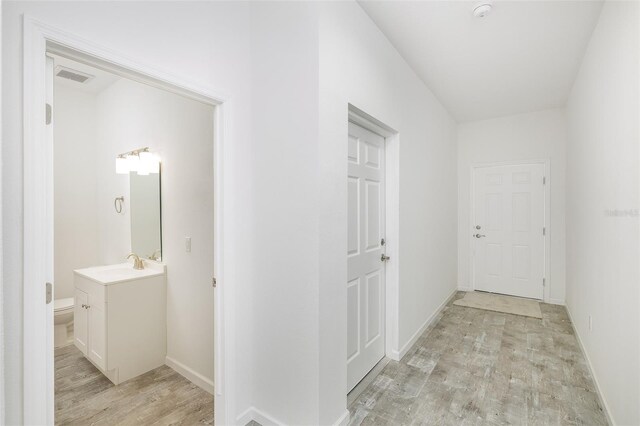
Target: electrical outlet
[
  {"x": 187, "y": 244},
  {"x": 590, "y": 323}
]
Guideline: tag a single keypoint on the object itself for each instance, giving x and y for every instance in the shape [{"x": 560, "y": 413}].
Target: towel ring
[{"x": 117, "y": 204}]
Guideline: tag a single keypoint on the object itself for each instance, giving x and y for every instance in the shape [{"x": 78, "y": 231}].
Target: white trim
[
  {"x": 343, "y": 420},
  {"x": 556, "y": 301},
  {"x": 38, "y": 39},
  {"x": 464, "y": 287},
  {"x": 398, "y": 355},
  {"x": 2, "y": 399},
  {"x": 547, "y": 218},
  {"x": 603, "y": 401},
  {"x": 191, "y": 375},
  {"x": 252, "y": 413},
  {"x": 392, "y": 220}
]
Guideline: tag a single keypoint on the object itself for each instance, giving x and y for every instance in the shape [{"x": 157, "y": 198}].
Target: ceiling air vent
[{"x": 71, "y": 74}]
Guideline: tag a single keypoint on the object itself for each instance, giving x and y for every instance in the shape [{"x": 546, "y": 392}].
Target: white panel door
[
  {"x": 508, "y": 231},
  {"x": 366, "y": 267}
]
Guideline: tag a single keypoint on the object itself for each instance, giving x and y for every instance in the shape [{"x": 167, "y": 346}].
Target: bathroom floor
[{"x": 83, "y": 396}]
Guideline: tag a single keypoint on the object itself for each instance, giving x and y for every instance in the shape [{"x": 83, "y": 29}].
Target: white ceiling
[
  {"x": 100, "y": 81},
  {"x": 522, "y": 57}
]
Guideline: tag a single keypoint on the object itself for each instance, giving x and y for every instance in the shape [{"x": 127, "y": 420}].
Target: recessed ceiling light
[{"x": 482, "y": 8}]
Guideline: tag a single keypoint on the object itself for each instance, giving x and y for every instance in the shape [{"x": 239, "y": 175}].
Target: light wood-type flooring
[
  {"x": 477, "y": 367},
  {"x": 83, "y": 396}
]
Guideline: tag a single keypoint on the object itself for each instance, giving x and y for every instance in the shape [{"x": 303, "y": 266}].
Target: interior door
[
  {"x": 365, "y": 251},
  {"x": 508, "y": 230}
]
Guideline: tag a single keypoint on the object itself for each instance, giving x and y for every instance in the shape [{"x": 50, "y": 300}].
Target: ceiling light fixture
[{"x": 482, "y": 8}]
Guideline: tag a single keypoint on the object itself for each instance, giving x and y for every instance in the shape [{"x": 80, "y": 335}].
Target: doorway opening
[{"x": 124, "y": 162}]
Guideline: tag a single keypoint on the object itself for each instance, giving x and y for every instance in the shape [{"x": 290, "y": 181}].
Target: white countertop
[{"x": 113, "y": 274}]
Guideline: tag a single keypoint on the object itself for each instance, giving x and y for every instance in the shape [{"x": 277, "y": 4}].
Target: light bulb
[
  {"x": 122, "y": 166},
  {"x": 150, "y": 161},
  {"x": 144, "y": 164},
  {"x": 133, "y": 161}
]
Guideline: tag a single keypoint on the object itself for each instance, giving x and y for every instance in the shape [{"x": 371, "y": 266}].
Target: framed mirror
[{"x": 146, "y": 215}]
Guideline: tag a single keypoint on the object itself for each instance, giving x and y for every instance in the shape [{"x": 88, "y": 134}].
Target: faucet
[
  {"x": 154, "y": 256},
  {"x": 137, "y": 262}
]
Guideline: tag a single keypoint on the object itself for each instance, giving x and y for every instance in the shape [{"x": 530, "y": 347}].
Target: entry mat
[{"x": 500, "y": 303}]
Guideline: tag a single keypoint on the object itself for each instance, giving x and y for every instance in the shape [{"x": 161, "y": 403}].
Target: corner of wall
[{"x": 603, "y": 401}]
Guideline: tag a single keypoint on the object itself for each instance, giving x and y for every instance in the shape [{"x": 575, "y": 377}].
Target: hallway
[{"x": 480, "y": 367}]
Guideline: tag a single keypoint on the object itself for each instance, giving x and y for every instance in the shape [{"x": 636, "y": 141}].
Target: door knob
[
  {"x": 384, "y": 257},
  {"x": 479, "y": 235}
]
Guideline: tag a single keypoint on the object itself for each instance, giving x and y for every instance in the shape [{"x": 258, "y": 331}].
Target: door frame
[
  {"x": 38, "y": 368},
  {"x": 547, "y": 217},
  {"x": 392, "y": 225}
]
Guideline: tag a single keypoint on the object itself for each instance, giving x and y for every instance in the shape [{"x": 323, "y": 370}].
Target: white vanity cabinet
[{"x": 120, "y": 318}]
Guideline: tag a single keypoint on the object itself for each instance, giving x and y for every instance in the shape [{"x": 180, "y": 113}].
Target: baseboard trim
[
  {"x": 189, "y": 374},
  {"x": 556, "y": 301},
  {"x": 344, "y": 419},
  {"x": 252, "y": 413},
  {"x": 603, "y": 401},
  {"x": 397, "y": 355},
  {"x": 464, "y": 288}
]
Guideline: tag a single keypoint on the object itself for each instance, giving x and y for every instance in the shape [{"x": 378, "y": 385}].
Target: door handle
[
  {"x": 384, "y": 257},
  {"x": 479, "y": 235}
]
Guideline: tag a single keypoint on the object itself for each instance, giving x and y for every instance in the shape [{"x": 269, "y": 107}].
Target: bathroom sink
[{"x": 112, "y": 274}]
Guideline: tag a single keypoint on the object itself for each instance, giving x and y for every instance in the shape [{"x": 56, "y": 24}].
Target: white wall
[
  {"x": 131, "y": 115},
  {"x": 532, "y": 136},
  {"x": 358, "y": 65},
  {"x": 205, "y": 43},
  {"x": 289, "y": 69},
  {"x": 602, "y": 175},
  {"x": 76, "y": 237},
  {"x": 284, "y": 164}
]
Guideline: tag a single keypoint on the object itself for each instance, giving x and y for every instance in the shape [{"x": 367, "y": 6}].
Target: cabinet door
[
  {"x": 97, "y": 335},
  {"x": 80, "y": 321}
]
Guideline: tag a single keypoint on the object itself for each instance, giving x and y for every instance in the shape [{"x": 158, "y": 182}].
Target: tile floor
[
  {"x": 83, "y": 396},
  {"x": 476, "y": 367}
]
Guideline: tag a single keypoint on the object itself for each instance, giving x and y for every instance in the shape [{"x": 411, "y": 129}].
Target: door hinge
[
  {"x": 49, "y": 292},
  {"x": 544, "y": 180},
  {"x": 214, "y": 282},
  {"x": 544, "y": 230},
  {"x": 48, "y": 113},
  {"x": 544, "y": 282}
]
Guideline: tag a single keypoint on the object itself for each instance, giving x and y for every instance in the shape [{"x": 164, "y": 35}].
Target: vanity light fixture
[{"x": 140, "y": 160}]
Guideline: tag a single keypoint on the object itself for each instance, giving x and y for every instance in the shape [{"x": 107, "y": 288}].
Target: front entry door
[
  {"x": 508, "y": 230},
  {"x": 365, "y": 251}
]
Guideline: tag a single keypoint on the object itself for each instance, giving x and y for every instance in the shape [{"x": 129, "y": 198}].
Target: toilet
[{"x": 63, "y": 322}]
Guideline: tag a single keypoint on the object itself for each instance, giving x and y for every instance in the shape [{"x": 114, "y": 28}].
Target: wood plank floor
[
  {"x": 476, "y": 367},
  {"x": 83, "y": 396}
]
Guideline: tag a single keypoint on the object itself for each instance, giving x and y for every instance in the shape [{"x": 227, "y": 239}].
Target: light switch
[{"x": 187, "y": 244}]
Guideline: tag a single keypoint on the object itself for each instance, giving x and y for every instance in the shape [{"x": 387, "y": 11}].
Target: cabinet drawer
[{"x": 96, "y": 292}]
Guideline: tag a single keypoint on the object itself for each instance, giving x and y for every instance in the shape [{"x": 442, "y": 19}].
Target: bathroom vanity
[{"x": 120, "y": 322}]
